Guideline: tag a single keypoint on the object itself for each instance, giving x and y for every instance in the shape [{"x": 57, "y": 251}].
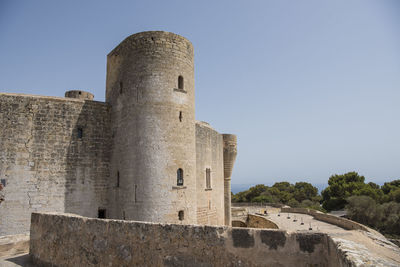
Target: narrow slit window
[
  {"x": 181, "y": 215},
  {"x": 179, "y": 176},
  {"x": 208, "y": 178},
  {"x": 101, "y": 214},
  {"x": 180, "y": 82},
  {"x": 118, "y": 179},
  {"x": 80, "y": 133},
  {"x": 135, "y": 192},
  {"x": 120, "y": 87},
  {"x": 180, "y": 116}
]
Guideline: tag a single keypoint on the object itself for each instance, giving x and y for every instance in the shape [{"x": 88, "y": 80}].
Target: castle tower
[
  {"x": 230, "y": 152},
  {"x": 150, "y": 86}
]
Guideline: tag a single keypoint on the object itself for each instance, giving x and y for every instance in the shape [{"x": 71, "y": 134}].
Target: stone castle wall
[
  {"x": 209, "y": 155},
  {"x": 120, "y": 159},
  {"x": 68, "y": 240},
  {"x": 54, "y": 156}
]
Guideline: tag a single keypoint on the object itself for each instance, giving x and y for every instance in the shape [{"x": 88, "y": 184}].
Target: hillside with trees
[{"x": 368, "y": 203}]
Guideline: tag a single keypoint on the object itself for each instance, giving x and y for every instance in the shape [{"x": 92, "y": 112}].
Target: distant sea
[{"x": 236, "y": 188}]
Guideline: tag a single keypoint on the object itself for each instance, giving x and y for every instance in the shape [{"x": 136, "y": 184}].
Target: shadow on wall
[
  {"x": 88, "y": 160},
  {"x": 238, "y": 224}
]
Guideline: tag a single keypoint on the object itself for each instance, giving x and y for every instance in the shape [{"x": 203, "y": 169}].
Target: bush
[
  {"x": 383, "y": 217},
  {"x": 293, "y": 203},
  {"x": 364, "y": 209}
]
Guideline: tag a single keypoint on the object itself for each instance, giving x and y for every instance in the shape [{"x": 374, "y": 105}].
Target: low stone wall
[
  {"x": 71, "y": 240},
  {"x": 257, "y": 204},
  {"x": 339, "y": 221},
  {"x": 237, "y": 212}
]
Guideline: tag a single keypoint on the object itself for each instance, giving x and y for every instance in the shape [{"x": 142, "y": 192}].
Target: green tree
[
  {"x": 390, "y": 186},
  {"x": 339, "y": 188},
  {"x": 394, "y": 195},
  {"x": 255, "y": 191},
  {"x": 304, "y": 191}
]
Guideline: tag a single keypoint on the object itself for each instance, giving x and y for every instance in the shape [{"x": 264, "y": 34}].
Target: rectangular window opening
[
  {"x": 135, "y": 192},
  {"x": 181, "y": 215},
  {"x": 80, "y": 133},
  {"x": 101, "y": 214},
  {"x": 208, "y": 178}
]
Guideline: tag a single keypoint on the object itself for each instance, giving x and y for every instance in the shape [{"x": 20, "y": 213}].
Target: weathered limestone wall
[
  {"x": 46, "y": 166},
  {"x": 69, "y": 240},
  {"x": 153, "y": 125},
  {"x": 210, "y": 202}
]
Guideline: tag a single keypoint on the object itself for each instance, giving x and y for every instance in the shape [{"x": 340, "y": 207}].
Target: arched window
[
  {"x": 179, "y": 176},
  {"x": 180, "y": 82}
]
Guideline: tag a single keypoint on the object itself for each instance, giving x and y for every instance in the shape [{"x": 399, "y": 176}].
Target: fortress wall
[
  {"x": 46, "y": 166},
  {"x": 69, "y": 240},
  {"x": 210, "y": 202},
  {"x": 153, "y": 127}
]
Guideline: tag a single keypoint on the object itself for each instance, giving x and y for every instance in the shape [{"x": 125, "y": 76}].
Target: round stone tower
[
  {"x": 230, "y": 152},
  {"x": 150, "y": 87}
]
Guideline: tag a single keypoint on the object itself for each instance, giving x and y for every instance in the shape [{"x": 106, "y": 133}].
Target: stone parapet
[
  {"x": 339, "y": 221},
  {"x": 71, "y": 240}
]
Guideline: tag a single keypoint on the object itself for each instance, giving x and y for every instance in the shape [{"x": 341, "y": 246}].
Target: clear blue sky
[{"x": 311, "y": 88}]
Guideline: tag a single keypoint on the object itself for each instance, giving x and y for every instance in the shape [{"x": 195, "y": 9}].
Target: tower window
[
  {"x": 120, "y": 87},
  {"x": 181, "y": 215},
  {"x": 118, "y": 179},
  {"x": 135, "y": 193},
  {"x": 179, "y": 176},
  {"x": 180, "y": 82},
  {"x": 180, "y": 116},
  {"x": 208, "y": 178},
  {"x": 101, "y": 214},
  {"x": 3, "y": 182},
  {"x": 80, "y": 133}
]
